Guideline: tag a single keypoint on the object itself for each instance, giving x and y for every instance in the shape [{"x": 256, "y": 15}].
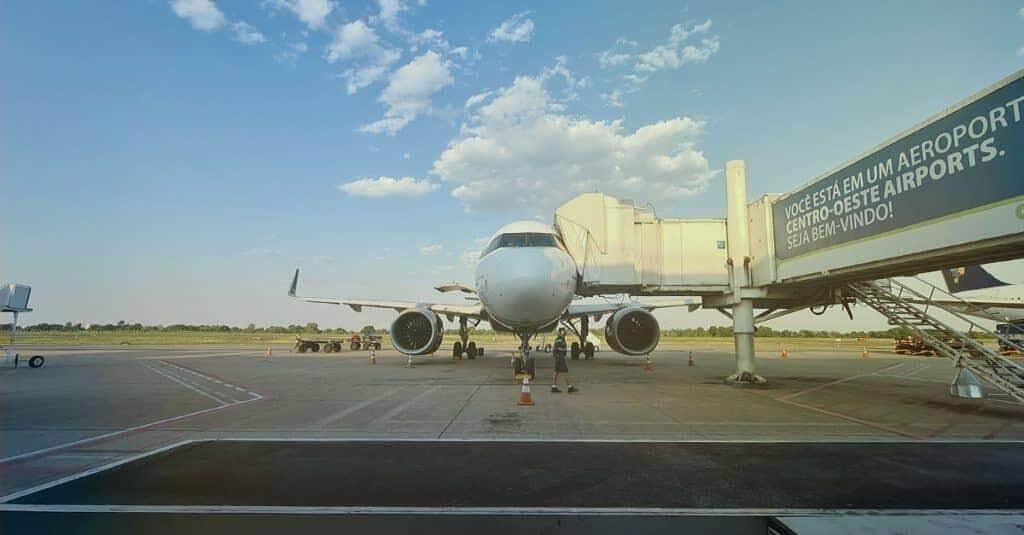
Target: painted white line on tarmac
[
  {"x": 788, "y": 397},
  {"x": 481, "y": 511},
  {"x": 405, "y": 405},
  {"x": 188, "y": 385},
  {"x": 386, "y": 437},
  {"x": 43, "y": 451},
  {"x": 362, "y": 404},
  {"x": 54, "y": 483}
]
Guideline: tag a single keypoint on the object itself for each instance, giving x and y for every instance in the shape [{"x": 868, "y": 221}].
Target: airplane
[
  {"x": 525, "y": 283},
  {"x": 985, "y": 295}
]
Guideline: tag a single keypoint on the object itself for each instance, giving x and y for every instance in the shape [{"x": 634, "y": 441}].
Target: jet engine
[
  {"x": 417, "y": 331},
  {"x": 632, "y": 331}
]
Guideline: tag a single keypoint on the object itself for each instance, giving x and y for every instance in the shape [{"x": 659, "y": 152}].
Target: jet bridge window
[{"x": 521, "y": 239}]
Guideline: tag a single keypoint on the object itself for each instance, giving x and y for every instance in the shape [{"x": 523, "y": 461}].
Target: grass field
[{"x": 484, "y": 338}]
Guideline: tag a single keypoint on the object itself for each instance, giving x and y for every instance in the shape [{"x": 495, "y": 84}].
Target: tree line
[{"x": 309, "y": 328}]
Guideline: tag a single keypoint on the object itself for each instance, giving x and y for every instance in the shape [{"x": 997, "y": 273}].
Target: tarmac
[{"x": 96, "y": 413}]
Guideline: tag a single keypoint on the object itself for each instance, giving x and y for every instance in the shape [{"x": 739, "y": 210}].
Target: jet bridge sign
[{"x": 963, "y": 161}]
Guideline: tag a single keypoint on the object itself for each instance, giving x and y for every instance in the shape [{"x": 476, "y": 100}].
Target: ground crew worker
[{"x": 561, "y": 366}]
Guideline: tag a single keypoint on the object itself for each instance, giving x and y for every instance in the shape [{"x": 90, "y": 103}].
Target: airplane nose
[{"x": 528, "y": 286}]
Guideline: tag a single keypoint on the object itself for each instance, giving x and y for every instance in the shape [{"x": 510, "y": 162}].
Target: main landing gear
[
  {"x": 464, "y": 346},
  {"x": 583, "y": 347},
  {"x": 524, "y": 364}
]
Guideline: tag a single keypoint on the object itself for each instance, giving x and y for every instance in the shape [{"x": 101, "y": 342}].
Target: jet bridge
[{"x": 947, "y": 192}]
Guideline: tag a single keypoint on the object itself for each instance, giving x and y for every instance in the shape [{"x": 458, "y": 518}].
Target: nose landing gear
[{"x": 523, "y": 365}]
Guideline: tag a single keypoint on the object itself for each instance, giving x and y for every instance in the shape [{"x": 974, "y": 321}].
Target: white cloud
[
  {"x": 1020, "y": 51},
  {"x": 389, "y": 10},
  {"x": 406, "y": 156},
  {"x": 201, "y": 14},
  {"x": 1020, "y": 12},
  {"x": 617, "y": 55},
  {"x": 386, "y": 186},
  {"x": 613, "y": 98},
  {"x": 477, "y": 99},
  {"x": 430, "y": 38},
  {"x": 409, "y": 90},
  {"x": 246, "y": 34},
  {"x": 358, "y": 42},
  {"x": 520, "y": 151},
  {"x": 674, "y": 53},
  {"x": 312, "y": 13},
  {"x": 515, "y": 29},
  {"x": 293, "y": 51},
  {"x": 430, "y": 249}
]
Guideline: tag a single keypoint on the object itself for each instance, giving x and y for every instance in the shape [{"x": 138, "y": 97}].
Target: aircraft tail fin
[
  {"x": 295, "y": 283},
  {"x": 967, "y": 278}
]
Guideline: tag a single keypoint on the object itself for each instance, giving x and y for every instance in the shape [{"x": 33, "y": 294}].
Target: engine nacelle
[
  {"x": 632, "y": 331},
  {"x": 417, "y": 331}
]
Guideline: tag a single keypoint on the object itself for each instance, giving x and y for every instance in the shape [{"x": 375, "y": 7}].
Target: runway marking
[
  {"x": 188, "y": 385},
  {"x": 861, "y": 421},
  {"x": 405, "y": 405},
  {"x": 91, "y": 471},
  {"x": 836, "y": 382},
  {"x": 362, "y": 404},
  {"x": 140, "y": 427},
  {"x": 788, "y": 398},
  {"x": 464, "y": 405},
  {"x": 478, "y": 511}
]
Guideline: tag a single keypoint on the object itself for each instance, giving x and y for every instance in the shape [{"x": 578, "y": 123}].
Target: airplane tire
[
  {"x": 354, "y": 346},
  {"x": 314, "y": 347},
  {"x": 36, "y": 361},
  {"x": 530, "y": 368},
  {"x": 517, "y": 365},
  {"x": 301, "y": 348},
  {"x": 457, "y": 350},
  {"x": 588, "y": 351},
  {"x": 471, "y": 350},
  {"x": 480, "y": 351},
  {"x": 574, "y": 351}
]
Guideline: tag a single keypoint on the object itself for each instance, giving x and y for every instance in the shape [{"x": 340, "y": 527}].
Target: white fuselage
[
  {"x": 1013, "y": 292},
  {"x": 526, "y": 289}
]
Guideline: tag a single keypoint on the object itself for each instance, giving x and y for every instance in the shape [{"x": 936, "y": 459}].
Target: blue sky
[{"x": 174, "y": 161}]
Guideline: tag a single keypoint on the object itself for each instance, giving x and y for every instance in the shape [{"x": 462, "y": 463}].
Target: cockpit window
[{"x": 521, "y": 239}]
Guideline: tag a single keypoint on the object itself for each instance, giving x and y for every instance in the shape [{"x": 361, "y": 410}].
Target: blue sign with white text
[{"x": 971, "y": 158}]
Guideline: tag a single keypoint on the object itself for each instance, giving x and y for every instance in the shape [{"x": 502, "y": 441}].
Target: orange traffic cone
[
  {"x": 864, "y": 353},
  {"x": 691, "y": 357},
  {"x": 373, "y": 356},
  {"x": 648, "y": 366},
  {"x": 270, "y": 351},
  {"x": 784, "y": 353},
  {"x": 524, "y": 394}
]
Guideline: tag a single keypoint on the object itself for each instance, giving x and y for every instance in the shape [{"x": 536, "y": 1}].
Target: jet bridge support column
[{"x": 738, "y": 234}]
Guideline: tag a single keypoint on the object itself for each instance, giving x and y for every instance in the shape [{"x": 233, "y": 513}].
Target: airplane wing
[
  {"x": 578, "y": 310},
  {"x": 473, "y": 310},
  {"x": 967, "y": 304}
]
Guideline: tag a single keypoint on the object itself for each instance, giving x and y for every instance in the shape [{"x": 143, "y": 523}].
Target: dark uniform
[{"x": 560, "y": 349}]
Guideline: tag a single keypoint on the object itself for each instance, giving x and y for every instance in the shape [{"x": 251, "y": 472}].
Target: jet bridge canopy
[{"x": 622, "y": 248}]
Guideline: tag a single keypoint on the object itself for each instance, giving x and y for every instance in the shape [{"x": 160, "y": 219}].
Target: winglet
[{"x": 295, "y": 283}]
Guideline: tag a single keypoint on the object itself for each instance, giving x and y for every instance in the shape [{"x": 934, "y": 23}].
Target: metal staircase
[{"x": 908, "y": 308}]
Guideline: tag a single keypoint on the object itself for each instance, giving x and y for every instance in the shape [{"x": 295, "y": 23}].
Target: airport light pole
[{"x": 738, "y": 236}]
